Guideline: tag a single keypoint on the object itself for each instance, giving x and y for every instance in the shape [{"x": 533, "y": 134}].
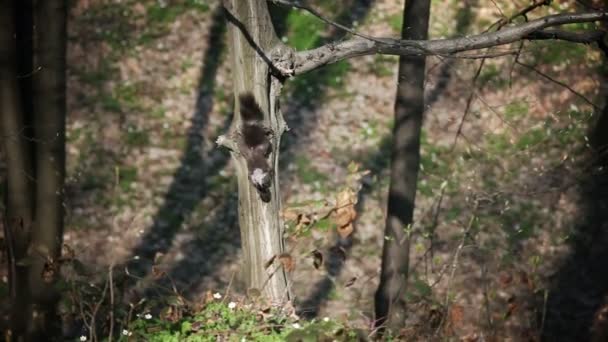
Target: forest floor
[{"x": 508, "y": 226}]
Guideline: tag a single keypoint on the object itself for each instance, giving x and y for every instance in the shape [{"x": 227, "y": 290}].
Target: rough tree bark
[
  {"x": 253, "y": 42},
  {"x": 33, "y": 135},
  {"x": 405, "y": 159},
  {"x": 49, "y": 90},
  {"x": 18, "y": 218}
]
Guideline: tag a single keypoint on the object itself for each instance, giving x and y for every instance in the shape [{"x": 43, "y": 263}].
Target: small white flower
[
  {"x": 125, "y": 332},
  {"x": 217, "y": 295},
  {"x": 325, "y": 319},
  {"x": 148, "y": 316},
  {"x": 296, "y": 326},
  {"x": 231, "y": 305},
  {"x": 83, "y": 338}
]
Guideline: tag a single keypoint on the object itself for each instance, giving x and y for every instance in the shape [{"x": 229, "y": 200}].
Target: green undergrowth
[{"x": 220, "y": 320}]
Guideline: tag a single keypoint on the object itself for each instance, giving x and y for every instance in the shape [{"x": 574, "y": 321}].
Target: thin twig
[
  {"x": 454, "y": 265},
  {"x": 562, "y": 84},
  {"x": 467, "y": 108},
  {"x": 111, "y": 280}
]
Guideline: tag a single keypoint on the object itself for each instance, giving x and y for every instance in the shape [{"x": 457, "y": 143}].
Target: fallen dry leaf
[
  {"x": 317, "y": 258},
  {"x": 288, "y": 262}
]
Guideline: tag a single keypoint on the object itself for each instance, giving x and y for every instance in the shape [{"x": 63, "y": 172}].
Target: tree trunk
[
  {"x": 19, "y": 182},
  {"x": 33, "y": 134},
  {"x": 49, "y": 93},
  {"x": 405, "y": 159},
  {"x": 252, "y": 39}
]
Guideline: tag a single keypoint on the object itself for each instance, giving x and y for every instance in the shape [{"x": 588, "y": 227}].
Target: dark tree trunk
[
  {"x": 49, "y": 90},
  {"x": 405, "y": 159},
  {"x": 32, "y": 113},
  {"x": 19, "y": 179}
]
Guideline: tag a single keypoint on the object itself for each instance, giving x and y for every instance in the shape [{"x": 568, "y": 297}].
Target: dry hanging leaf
[
  {"x": 157, "y": 272},
  {"x": 157, "y": 257},
  {"x": 317, "y": 258},
  {"x": 49, "y": 270},
  {"x": 288, "y": 262},
  {"x": 345, "y": 212},
  {"x": 456, "y": 315},
  {"x": 290, "y": 214},
  {"x": 350, "y": 282},
  {"x": 345, "y": 231},
  {"x": 269, "y": 262},
  {"x": 67, "y": 252}
]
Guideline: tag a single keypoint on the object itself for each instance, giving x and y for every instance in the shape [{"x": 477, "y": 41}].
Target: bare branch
[
  {"x": 562, "y": 84},
  {"x": 586, "y": 37},
  {"x": 358, "y": 46}
]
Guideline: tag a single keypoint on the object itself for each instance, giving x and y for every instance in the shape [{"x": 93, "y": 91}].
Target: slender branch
[
  {"x": 469, "y": 103},
  {"x": 562, "y": 84},
  {"x": 358, "y": 46},
  {"x": 587, "y": 37},
  {"x": 298, "y": 4}
]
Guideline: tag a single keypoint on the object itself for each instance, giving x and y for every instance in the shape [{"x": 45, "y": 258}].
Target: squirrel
[{"x": 255, "y": 145}]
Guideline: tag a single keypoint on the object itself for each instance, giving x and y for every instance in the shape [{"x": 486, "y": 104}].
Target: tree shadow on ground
[
  {"x": 191, "y": 181},
  {"x": 579, "y": 289},
  {"x": 464, "y": 19},
  {"x": 226, "y": 214}
]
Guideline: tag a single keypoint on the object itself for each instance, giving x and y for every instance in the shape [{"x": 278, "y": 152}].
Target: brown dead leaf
[
  {"x": 350, "y": 282},
  {"x": 157, "y": 257},
  {"x": 290, "y": 214},
  {"x": 157, "y": 272},
  {"x": 472, "y": 337},
  {"x": 456, "y": 315},
  {"x": 317, "y": 258},
  {"x": 346, "y": 231},
  {"x": 345, "y": 215},
  {"x": 345, "y": 212},
  {"x": 49, "y": 270},
  {"x": 505, "y": 279},
  {"x": 511, "y": 307},
  {"x": 288, "y": 262},
  {"x": 67, "y": 252}
]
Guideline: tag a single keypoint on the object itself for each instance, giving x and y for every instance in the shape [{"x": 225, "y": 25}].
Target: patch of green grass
[
  {"x": 557, "y": 53},
  {"x": 110, "y": 103},
  {"x": 310, "y": 84},
  {"x": 531, "y": 138},
  {"x": 227, "y": 322},
  {"x": 497, "y": 144},
  {"x": 395, "y": 21},
  {"x": 126, "y": 176},
  {"x": 304, "y": 30},
  {"x": 137, "y": 138},
  {"x": 383, "y": 65},
  {"x": 492, "y": 76},
  {"x": 516, "y": 109},
  {"x": 307, "y": 172}
]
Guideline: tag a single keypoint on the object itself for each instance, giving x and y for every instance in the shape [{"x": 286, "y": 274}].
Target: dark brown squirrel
[{"x": 255, "y": 145}]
